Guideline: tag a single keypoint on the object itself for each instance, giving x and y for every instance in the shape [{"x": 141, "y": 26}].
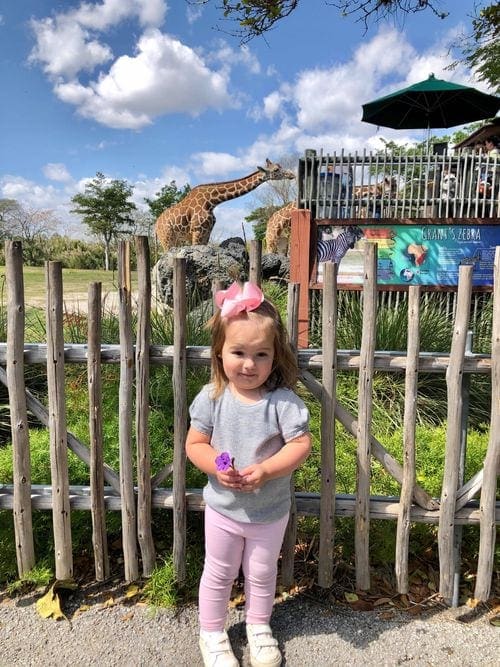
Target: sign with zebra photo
[{"x": 410, "y": 254}]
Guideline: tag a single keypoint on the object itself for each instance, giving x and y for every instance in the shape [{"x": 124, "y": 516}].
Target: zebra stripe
[{"x": 334, "y": 249}]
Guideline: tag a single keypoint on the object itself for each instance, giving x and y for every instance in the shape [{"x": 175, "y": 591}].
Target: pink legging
[{"x": 229, "y": 544}]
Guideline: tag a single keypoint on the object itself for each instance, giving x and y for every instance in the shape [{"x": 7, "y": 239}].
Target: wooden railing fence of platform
[{"x": 134, "y": 498}]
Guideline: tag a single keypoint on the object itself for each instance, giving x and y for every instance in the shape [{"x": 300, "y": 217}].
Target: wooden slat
[
  {"x": 310, "y": 359},
  {"x": 144, "y": 523},
  {"x": 99, "y": 536},
  {"x": 23, "y": 524},
  {"x": 492, "y": 460},
  {"x": 308, "y": 504},
  {"x": 328, "y": 401},
  {"x": 125, "y": 411},
  {"x": 409, "y": 465},
  {"x": 180, "y": 418},
  {"x": 365, "y": 403},
  {"x": 61, "y": 518},
  {"x": 453, "y": 436},
  {"x": 290, "y": 537}
]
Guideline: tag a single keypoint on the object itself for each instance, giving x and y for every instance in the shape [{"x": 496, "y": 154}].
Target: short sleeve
[
  {"x": 293, "y": 415},
  {"x": 201, "y": 412}
]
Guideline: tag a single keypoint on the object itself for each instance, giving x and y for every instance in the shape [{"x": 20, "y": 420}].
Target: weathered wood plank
[
  {"x": 61, "y": 516},
  {"x": 310, "y": 359},
  {"x": 23, "y": 524},
  {"x": 94, "y": 381},
  {"x": 308, "y": 504},
  {"x": 290, "y": 537},
  {"x": 492, "y": 460},
  {"x": 180, "y": 418},
  {"x": 125, "y": 411},
  {"x": 453, "y": 435},
  {"x": 409, "y": 465},
  {"x": 328, "y": 401},
  {"x": 144, "y": 524},
  {"x": 365, "y": 405}
]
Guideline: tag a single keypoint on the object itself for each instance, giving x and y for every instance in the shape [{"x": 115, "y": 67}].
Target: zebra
[{"x": 334, "y": 249}]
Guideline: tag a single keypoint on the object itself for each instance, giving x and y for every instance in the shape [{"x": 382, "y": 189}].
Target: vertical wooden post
[
  {"x": 57, "y": 423},
  {"x": 23, "y": 526},
  {"x": 180, "y": 419},
  {"x": 328, "y": 402},
  {"x": 300, "y": 253},
  {"x": 129, "y": 521},
  {"x": 453, "y": 435},
  {"x": 97, "y": 508},
  {"x": 366, "y": 365},
  {"x": 410, "y": 410},
  {"x": 290, "y": 538},
  {"x": 492, "y": 460},
  {"x": 143, "y": 342},
  {"x": 255, "y": 272}
]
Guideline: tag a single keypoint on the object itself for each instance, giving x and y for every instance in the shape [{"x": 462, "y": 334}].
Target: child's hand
[
  {"x": 230, "y": 478},
  {"x": 253, "y": 477}
]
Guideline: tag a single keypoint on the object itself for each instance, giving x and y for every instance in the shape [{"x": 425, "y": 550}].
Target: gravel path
[{"x": 310, "y": 635}]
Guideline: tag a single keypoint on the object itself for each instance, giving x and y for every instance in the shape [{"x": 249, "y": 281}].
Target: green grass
[{"x": 75, "y": 281}]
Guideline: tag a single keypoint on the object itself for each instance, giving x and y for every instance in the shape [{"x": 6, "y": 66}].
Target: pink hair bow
[{"x": 237, "y": 299}]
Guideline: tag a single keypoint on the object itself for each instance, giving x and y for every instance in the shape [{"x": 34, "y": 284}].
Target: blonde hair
[{"x": 285, "y": 369}]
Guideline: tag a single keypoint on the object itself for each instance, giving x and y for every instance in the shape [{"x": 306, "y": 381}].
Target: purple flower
[{"x": 224, "y": 461}]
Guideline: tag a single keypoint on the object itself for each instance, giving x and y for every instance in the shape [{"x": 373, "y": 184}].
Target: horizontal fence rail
[{"x": 134, "y": 498}]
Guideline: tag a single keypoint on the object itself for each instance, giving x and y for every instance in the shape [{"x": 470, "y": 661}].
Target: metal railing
[{"x": 459, "y": 184}]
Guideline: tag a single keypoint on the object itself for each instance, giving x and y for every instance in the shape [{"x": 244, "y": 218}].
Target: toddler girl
[{"x": 249, "y": 431}]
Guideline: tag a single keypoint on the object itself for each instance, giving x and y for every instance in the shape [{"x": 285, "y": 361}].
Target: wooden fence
[{"x": 117, "y": 490}]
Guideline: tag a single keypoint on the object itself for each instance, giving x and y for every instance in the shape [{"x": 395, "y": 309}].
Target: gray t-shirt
[{"x": 250, "y": 433}]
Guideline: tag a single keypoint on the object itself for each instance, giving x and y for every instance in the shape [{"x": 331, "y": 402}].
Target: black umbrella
[{"x": 431, "y": 103}]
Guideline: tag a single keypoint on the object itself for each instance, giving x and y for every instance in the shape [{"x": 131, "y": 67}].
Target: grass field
[{"x": 75, "y": 283}]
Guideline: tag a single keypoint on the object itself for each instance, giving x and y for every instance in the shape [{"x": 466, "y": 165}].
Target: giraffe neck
[{"x": 219, "y": 192}]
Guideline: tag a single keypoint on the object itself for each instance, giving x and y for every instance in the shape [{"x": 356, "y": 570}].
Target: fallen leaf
[
  {"x": 381, "y": 601},
  {"x": 361, "y": 605},
  {"x": 49, "y": 605},
  {"x": 110, "y": 602},
  {"x": 128, "y": 617},
  {"x": 351, "y": 597},
  {"x": 495, "y": 621},
  {"x": 132, "y": 591},
  {"x": 472, "y": 602},
  {"x": 386, "y": 615}
]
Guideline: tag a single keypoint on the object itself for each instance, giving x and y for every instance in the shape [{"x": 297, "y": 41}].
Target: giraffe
[
  {"x": 278, "y": 226},
  {"x": 191, "y": 220}
]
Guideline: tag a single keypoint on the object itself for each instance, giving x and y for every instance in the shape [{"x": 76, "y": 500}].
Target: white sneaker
[
  {"x": 264, "y": 651},
  {"x": 216, "y": 650}
]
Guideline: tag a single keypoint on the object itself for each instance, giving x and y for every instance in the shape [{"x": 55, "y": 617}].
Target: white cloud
[
  {"x": 64, "y": 48},
  {"x": 163, "y": 76},
  {"x": 56, "y": 172}
]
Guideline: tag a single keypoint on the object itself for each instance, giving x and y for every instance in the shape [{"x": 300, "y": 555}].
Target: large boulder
[
  {"x": 204, "y": 265},
  {"x": 275, "y": 267}
]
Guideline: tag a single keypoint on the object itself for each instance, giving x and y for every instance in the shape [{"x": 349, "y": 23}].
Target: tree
[
  {"x": 271, "y": 196},
  {"x": 256, "y": 17},
  {"x": 169, "y": 195},
  {"x": 480, "y": 49},
  {"x": 106, "y": 209},
  {"x": 30, "y": 226},
  {"x": 259, "y": 217}
]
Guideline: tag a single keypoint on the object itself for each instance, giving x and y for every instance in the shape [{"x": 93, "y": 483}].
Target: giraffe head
[{"x": 275, "y": 172}]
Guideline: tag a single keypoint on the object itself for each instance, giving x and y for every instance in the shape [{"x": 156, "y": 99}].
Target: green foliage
[
  {"x": 481, "y": 48},
  {"x": 106, "y": 209},
  {"x": 259, "y": 218},
  {"x": 162, "y": 588},
  {"x": 39, "y": 576},
  {"x": 169, "y": 195}
]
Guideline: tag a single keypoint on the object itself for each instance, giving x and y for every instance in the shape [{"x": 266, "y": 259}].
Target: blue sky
[{"x": 150, "y": 91}]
